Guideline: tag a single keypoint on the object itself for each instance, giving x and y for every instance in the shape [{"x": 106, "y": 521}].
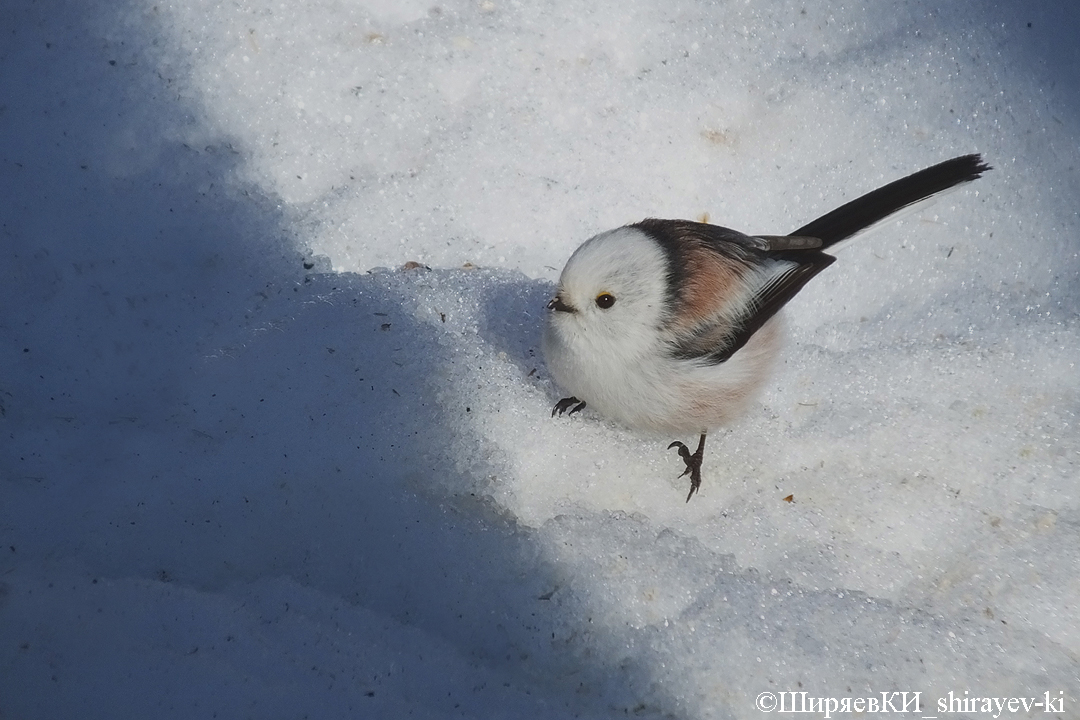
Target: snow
[{"x": 254, "y": 467}]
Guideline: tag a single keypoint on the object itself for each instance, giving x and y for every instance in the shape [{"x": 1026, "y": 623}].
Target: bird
[{"x": 672, "y": 326}]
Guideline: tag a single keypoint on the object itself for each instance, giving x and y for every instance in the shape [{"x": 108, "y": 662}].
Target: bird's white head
[
  {"x": 612, "y": 295},
  {"x": 603, "y": 323}
]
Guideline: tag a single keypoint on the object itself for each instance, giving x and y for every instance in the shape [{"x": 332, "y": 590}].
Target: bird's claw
[
  {"x": 684, "y": 453},
  {"x": 693, "y": 464},
  {"x": 564, "y": 404}
]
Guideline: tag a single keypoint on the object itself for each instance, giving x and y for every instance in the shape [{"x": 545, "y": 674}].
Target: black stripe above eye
[
  {"x": 676, "y": 237},
  {"x": 667, "y": 236}
]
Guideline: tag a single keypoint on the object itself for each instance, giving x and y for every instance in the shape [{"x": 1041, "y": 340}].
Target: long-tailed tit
[{"x": 671, "y": 326}]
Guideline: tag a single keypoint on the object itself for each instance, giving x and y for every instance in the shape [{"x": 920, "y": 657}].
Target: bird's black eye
[{"x": 605, "y": 300}]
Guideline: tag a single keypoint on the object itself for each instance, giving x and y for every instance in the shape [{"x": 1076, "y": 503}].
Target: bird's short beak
[{"x": 558, "y": 304}]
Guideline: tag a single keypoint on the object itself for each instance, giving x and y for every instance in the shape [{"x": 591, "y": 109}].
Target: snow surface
[{"x": 245, "y": 474}]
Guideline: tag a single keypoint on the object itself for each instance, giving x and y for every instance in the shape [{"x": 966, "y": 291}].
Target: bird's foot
[
  {"x": 693, "y": 463},
  {"x": 562, "y": 406}
]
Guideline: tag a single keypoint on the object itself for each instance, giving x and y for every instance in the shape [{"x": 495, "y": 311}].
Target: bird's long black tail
[{"x": 848, "y": 219}]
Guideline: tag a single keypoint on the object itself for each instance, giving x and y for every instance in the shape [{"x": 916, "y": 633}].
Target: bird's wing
[
  {"x": 754, "y": 276},
  {"x": 789, "y": 278}
]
